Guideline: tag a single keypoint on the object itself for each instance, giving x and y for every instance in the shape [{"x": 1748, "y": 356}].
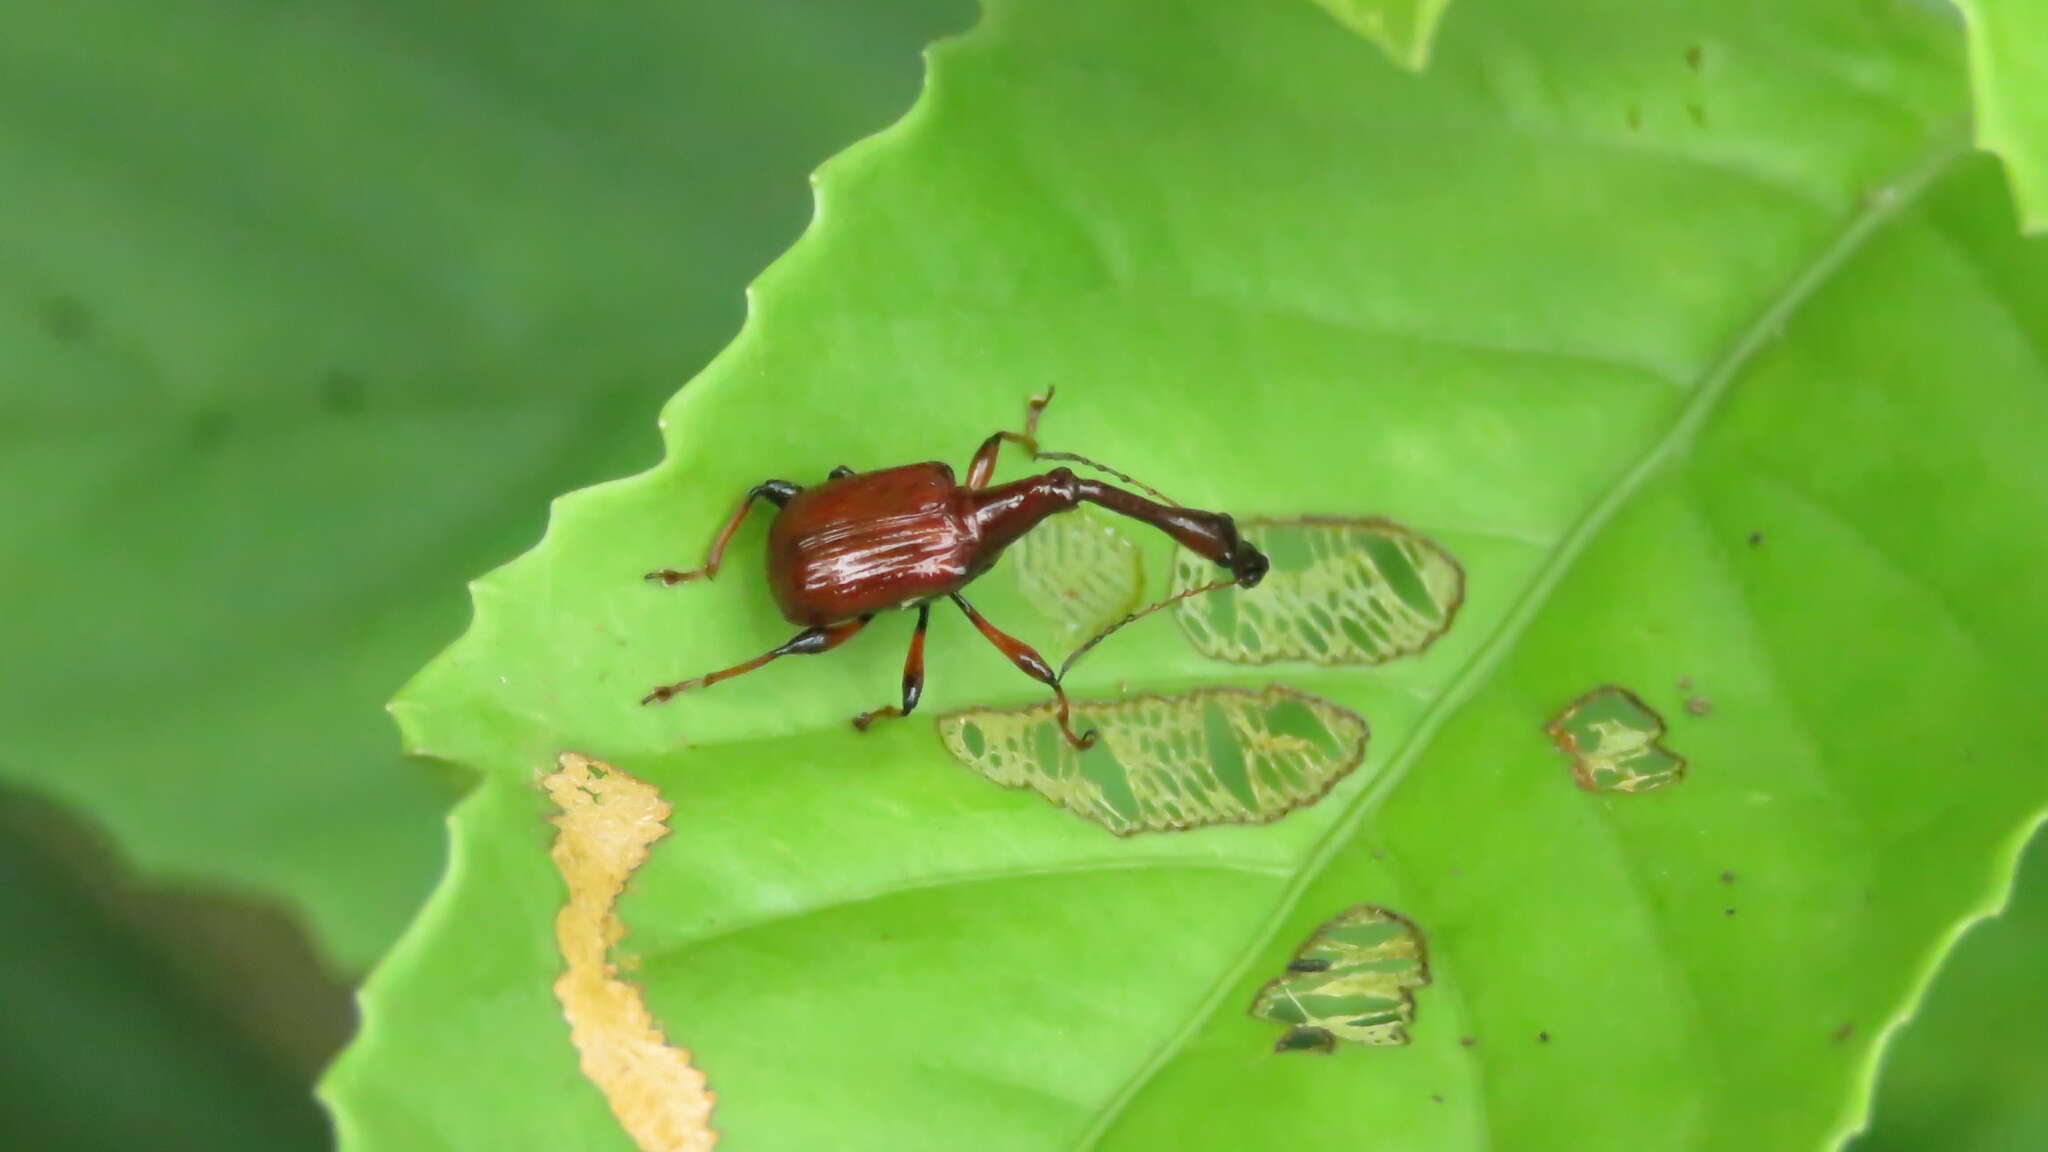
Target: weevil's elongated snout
[{"x": 1210, "y": 534}]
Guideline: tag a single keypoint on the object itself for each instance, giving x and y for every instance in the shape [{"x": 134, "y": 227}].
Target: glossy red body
[
  {"x": 875, "y": 540},
  {"x": 859, "y": 543}
]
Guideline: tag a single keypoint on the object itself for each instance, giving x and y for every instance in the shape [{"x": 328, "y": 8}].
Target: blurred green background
[{"x": 307, "y": 309}]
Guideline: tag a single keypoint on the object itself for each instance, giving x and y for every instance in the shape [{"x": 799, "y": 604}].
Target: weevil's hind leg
[
  {"x": 1028, "y": 661},
  {"x": 984, "y": 463},
  {"x": 778, "y": 491},
  {"x": 808, "y": 642},
  {"x": 839, "y": 473},
  {"x": 913, "y": 675}
]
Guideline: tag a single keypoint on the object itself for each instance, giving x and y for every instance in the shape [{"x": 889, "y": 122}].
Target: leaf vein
[{"x": 1862, "y": 223}]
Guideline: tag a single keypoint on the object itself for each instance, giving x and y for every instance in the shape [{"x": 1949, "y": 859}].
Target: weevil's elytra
[
  {"x": 864, "y": 542},
  {"x": 871, "y": 541}
]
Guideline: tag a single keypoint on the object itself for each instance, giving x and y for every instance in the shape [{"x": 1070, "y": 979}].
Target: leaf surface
[
  {"x": 1959, "y": 1076},
  {"x": 1696, "y": 338},
  {"x": 305, "y": 313},
  {"x": 1404, "y": 28},
  {"x": 2009, "y": 73}
]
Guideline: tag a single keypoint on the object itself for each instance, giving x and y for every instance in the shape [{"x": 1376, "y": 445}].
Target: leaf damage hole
[
  {"x": 1612, "y": 739},
  {"x": 1340, "y": 591},
  {"x": 1354, "y": 980},
  {"x": 1185, "y": 760},
  {"x": 607, "y": 822},
  {"x": 1080, "y": 573}
]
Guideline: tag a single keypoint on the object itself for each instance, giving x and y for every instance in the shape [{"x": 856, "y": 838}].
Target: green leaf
[
  {"x": 2009, "y": 73},
  {"x": 1403, "y": 28},
  {"x": 1699, "y": 340},
  {"x": 305, "y": 313},
  {"x": 1960, "y": 1076}
]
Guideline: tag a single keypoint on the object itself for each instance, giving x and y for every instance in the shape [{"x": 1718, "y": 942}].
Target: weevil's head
[{"x": 1247, "y": 564}]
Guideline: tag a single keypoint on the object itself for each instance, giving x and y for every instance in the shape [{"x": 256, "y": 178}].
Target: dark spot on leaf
[
  {"x": 1727, "y": 877},
  {"x": 1841, "y": 1034},
  {"x": 342, "y": 393},
  {"x": 1437, "y": 1096},
  {"x": 1306, "y": 1039},
  {"x": 1543, "y": 1037},
  {"x": 1695, "y": 57},
  {"x": 1727, "y": 911},
  {"x": 1698, "y": 705},
  {"x": 1756, "y": 539},
  {"x": 66, "y": 319},
  {"x": 1467, "y": 1041},
  {"x": 210, "y": 426},
  {"x": 1685, "y": 683}
]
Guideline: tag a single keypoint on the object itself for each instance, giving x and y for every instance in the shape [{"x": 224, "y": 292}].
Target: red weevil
[{"x": 861, "y": 542}]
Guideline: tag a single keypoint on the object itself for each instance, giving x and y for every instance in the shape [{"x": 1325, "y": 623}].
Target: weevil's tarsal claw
[
  {"x": 667, "y": 692},
  {"x": 1031, "y": 412},
  {"x": 866, "y": 720},
  {"x": 1082, "y": 741}
]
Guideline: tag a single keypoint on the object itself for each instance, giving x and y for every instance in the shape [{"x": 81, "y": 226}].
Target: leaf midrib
[{"x": 1869, "y": 216}]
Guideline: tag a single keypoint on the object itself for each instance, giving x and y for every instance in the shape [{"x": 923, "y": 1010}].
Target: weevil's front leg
[
  {"x": 808, "y": 642},
  {"x": 1028, "y": 661},
  {"x": 984, "y": 463},
  {"x": 913, "y": 675},
  {"x": 778, "y": 491}
]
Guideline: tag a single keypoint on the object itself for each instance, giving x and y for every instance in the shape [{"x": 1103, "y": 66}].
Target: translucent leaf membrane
[
  {"x": 1339, "y": 592},
  {"x": 1353, "y": 980},
  {"x": 1209, "y": 756},
  {"x": 1612, "y": 739},
  {"x": 1081, "y": 573}
]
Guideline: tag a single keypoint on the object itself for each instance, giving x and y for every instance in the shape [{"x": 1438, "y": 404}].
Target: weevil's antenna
[
  {"x": 1077, "y": 458},
  {"x": 1133, "y": 618}
]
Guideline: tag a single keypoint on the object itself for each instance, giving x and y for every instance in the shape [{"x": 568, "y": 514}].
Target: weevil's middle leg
[
  {"x": 913, "y": 675},
  {"x": 808, "y": 642},
  {"x": 984, "y": 463},
  {"x": 1028, "y": 661},
  {"x": 779, "y": 491},
  {"x": 839, "y": 473}
]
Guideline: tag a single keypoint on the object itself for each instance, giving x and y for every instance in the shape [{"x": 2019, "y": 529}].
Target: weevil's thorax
[{"x": 871, "y": 541}]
